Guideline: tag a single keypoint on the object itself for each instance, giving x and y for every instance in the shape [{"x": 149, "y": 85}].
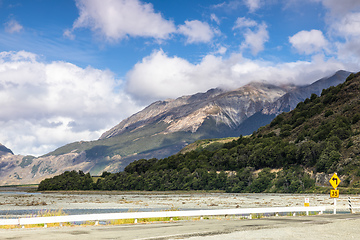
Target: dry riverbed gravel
[{"x": 154, "y": 201}]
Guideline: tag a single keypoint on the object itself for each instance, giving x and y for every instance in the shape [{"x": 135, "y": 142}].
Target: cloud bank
[
  {"x": 160, "y": 76},
  {"x": 45, "y": 105}
]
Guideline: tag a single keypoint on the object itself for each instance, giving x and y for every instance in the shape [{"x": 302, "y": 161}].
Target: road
[{"x": 327, "y": 226}]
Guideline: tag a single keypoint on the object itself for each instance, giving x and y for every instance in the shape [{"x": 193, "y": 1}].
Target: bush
[
  {"x": 355, "y": 118},
  {"x": 328, "y": 113}
]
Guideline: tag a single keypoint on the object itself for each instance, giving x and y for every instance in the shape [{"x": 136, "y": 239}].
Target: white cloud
[
  {"x": 343, "y": 24},
  {"x": 255, "y": 34},
  {"x": 46, "y": 105},
  {"x": 348, "y": 26},
  {"x": 13, "y": 26},
  {"x": 159, "y": 76},
  {"x": 255, "y": 40},
  {"x": 308, "y": 42},
  {"x": 196, "y": 31},
  {"x": 118, "y": 19},
  {"x": 214, "y": 18},
  {"x": 230, "y": 5},
  {"x": 242, "y": 22},
  {"x": 253, "y": 5},
  {"x": 339, "y": 8},
  {"x": 349, "y": 52},
  {"x": 233, "y": 5},
  {"x": 69, "y": 34},
  {"x": 221, "y": 50}
]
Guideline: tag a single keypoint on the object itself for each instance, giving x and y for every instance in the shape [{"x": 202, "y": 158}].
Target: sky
[{"x": 72, "y": 69}]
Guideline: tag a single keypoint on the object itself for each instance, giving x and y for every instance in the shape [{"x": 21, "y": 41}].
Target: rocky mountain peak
[{"x": 188, "y": 113}]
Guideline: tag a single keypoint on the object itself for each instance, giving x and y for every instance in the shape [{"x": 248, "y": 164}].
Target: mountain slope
[
  {"x": 165, "y": 127},
  {"x": 188, "y": 113},
  {"x": 4, "y": 150}
]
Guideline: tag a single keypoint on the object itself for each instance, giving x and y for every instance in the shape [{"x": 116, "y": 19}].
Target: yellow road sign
[
  {"x": 334, "y": 181},
  {"x": 334, "y": 193}
]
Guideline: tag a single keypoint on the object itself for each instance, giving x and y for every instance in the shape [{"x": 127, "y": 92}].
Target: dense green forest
[{"x": 321, "y": 135}]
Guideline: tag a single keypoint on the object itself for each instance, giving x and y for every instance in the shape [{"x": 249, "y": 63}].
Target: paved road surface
[{"x": 327, "y": 226}]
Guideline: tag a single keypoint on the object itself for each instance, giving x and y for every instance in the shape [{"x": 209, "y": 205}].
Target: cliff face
[{"x": 164, "y": 128}]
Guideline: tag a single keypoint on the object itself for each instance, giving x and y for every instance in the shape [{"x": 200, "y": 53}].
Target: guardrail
[{"x": 137, "y": 215}]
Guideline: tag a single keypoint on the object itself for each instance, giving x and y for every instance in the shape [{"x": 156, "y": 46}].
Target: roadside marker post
[
  {"x": 350, "y": 207},
  {"x": 307, "y": 202},
  {"x": 334, "y": 181}
]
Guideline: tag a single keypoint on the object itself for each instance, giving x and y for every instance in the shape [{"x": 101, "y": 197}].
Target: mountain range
[{"x": 164, "y": 128}]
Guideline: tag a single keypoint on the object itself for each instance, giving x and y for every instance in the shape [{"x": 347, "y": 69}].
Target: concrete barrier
[{"x": 162, "y": 214}]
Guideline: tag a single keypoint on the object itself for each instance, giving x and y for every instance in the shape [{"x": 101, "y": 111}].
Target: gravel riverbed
[{"x": 18, "y": 203}]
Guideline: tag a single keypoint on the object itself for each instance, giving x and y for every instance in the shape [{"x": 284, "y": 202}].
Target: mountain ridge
[{"x": 177, "y": 111}]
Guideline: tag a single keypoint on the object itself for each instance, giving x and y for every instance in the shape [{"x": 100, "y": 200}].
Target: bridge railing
[{"x": 162, "y": 214}]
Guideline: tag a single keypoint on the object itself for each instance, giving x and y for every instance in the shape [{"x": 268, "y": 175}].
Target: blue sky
[
  {"x": 44, "y": 22},
  {"x": 71, "y": 69}
]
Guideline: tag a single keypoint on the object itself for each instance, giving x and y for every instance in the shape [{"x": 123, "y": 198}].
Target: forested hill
[{"x": 296, "y": 152}]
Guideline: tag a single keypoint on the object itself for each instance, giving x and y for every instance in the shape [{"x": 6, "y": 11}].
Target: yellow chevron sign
[{"x": 334, "y": 181}]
